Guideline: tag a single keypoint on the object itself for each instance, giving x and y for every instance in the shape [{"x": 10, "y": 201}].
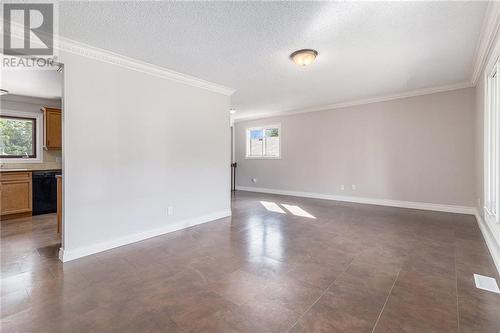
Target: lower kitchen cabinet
[{"x": 15, "y": 194}]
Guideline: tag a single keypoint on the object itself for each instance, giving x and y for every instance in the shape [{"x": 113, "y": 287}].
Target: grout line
[
  {"x": 386, "y": 300},
  {"x": 310, "y": 307},
  {"x": 456, "y": 284},
  {"x": 322, "y": 294}
]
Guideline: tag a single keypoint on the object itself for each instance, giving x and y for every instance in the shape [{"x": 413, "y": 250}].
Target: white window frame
[
  {"x": 491, "y": 143},
  {"x": 263, "y": 128},
  {"x": 39, "y": 136}
]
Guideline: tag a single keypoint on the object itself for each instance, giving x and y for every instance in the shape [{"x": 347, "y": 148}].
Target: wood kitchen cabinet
[
  {"x": 15, "y": 194},
  {"x": 52, "y": 129}
]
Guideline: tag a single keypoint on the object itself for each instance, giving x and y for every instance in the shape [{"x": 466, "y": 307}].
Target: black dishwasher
[{"x": 45, "y": 192}]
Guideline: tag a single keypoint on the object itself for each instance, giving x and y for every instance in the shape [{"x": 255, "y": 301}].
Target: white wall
[
  {"x": 135, "y": 144},
  {"x": 418, "y": 149}
]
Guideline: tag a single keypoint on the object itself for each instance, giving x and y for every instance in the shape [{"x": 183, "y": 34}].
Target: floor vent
[{"x": 486, "y": 283}]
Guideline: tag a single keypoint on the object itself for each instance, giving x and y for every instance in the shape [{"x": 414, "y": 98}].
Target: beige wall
[{"x": 418, "y": 149}]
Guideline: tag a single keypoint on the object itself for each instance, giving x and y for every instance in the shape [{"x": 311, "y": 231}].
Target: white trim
[
  {"x": 492, "y": 242},
  {"x": 493, "y": 60},
  {"x": 67, "y": 255},
  {"x": 262, "y": 157},
  {"x": 489, "y": 31},
  {"x": 369, "y": 201},
  {"x": 38, "y": 116},
  {"x": 71, "y": 46},
  {"x": 411, "y": 93}
]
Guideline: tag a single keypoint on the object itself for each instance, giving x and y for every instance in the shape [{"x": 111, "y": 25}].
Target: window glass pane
[
  {"x": 272, "y": 142},
  {"x": 256, "y": 142},
  {"x": 17, "y": 137}
]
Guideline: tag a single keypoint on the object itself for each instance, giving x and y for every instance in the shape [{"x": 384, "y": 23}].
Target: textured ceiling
[{"x": 366, "y": 49}]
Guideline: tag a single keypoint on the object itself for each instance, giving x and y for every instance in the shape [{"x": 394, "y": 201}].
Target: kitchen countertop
[{"x": 27, "y": 170}]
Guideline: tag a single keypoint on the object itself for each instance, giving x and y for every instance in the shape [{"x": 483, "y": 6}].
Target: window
[
  {"x": 18, "y": 137},
  {"x": 264, "y": 142},
  {"x": 491, "y": 146}
]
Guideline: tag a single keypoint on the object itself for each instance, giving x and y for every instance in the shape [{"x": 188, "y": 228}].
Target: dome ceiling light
[{"x": 304, "y": 57}]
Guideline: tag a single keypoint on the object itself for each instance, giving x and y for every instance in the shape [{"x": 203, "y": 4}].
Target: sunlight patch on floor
[
  {"x": 297, "y": 211},
  {"x": 272, "y": 207}
]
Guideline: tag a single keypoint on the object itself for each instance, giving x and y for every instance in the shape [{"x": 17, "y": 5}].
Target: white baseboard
[
  {"x": 491, "y": 241},
  {"x": 369, "y": 201},
  {"x": 67, "y": 255}
]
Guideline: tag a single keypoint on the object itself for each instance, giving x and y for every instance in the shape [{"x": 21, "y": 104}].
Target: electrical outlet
[
  {"x": 170, "y": 211},
  {"x": 353, "y": 186},
  {"x": 342, "y": 187}
]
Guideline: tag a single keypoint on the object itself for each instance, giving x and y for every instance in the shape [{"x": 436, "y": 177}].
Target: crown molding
[
  {"x": 406, "y": 94},
  {"x": 487, "y": 37},
  {"x": 81, "y": 49}
]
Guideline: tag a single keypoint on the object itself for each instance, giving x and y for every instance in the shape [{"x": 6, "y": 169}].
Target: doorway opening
[{"x": 31, "y": 160}]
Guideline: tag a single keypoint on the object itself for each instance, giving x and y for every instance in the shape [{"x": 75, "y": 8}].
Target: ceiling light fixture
[
  {"x": 3, "y": 92},
  {"x": 304, "y": 57}
]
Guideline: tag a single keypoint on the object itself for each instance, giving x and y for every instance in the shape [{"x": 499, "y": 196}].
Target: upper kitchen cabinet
[{"x": 52, "y": 130}]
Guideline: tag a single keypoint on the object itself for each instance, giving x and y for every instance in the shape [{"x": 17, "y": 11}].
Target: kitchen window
[
  {"x": 491, "y": 145},
  {"x": 18, "y": 137},
  {"x": 263, "y": 142}
]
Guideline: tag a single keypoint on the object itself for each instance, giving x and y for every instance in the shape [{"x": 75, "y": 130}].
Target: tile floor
[{"x": 351, "y": 268}]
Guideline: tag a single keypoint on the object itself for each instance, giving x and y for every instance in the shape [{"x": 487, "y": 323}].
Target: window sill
[
  {"x": 21, "y": 160},
  {"x": 263, "y": 157}
]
